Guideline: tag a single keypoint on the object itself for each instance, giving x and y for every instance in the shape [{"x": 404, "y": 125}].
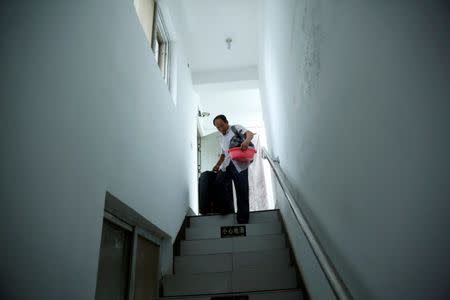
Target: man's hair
[{"x": 222, "y": 117}]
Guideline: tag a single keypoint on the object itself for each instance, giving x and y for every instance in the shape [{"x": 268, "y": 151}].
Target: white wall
[
  {"x": 356, "y": 102},
  {"x": 84, "y": 109},
  {"x": 210, "y": 151}
]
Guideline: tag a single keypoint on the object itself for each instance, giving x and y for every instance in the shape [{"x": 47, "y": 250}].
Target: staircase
[{"x": 257, "y": 266}]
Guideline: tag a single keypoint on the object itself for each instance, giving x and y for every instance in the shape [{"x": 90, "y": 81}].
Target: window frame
[{"x": 161, "y": 45}]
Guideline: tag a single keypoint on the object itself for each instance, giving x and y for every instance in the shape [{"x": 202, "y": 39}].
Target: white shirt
[{"x": 224, "y": 141}]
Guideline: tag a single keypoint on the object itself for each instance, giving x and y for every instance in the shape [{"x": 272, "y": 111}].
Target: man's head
[{"x": 221, "y": 124}]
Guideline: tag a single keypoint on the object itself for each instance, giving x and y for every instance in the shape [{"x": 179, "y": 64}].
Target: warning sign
[{"x": 233, "y": 231}]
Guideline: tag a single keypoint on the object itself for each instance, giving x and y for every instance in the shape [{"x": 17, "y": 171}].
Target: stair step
[
  {"x": 268, "y": 216},
  {"x": 209, "y": 263},
  {"x": 260, "y": 279},
  {"x": 213, "y": 231},
  {"x": 268, "y": 258},
  {"x": 291, "y": 294},
  {"x": 227, "y": 262},
  {"x": 195, "y": 284},
  {"x": 231, "y": 245},
  {"x": 248, "y": 280}
]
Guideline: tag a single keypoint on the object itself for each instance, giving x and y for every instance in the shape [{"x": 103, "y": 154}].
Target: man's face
[{"x": 221, "y": 126}]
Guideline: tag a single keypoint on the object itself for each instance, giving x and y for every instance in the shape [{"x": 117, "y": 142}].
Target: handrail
[{"x": 338, "y": 286}]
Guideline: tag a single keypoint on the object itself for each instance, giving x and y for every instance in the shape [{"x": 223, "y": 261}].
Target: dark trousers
[{"x": 240, "y": 180}]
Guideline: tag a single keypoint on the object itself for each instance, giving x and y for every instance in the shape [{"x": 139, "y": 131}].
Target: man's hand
[
  {"x": 219, "y": 163},
  {"x": 248, "y": 138},
  {"x": 244, "y": 145}
]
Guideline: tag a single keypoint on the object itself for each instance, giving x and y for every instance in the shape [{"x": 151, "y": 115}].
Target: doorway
[
  {"x": 199, "y": 153},
  {"x": 130, "y": 262},
  {"x": 114, "y": 263}
]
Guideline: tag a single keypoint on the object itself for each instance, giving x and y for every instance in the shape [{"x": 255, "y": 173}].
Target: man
[{"x": 236, "y": 170}]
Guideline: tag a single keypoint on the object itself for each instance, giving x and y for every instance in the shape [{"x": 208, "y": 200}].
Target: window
[
  {"x": 145, "y": 10},
  {"x": 152, "y": 22},
  {"x": 161, "y": 44}
]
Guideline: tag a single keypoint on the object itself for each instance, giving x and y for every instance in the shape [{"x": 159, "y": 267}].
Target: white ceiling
[
  {"x": 226, "y": 80},
  {"x": 209, "y": 22}
]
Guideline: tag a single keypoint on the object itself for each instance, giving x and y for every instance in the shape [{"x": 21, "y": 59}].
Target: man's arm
[
  {"x": 248, "y": 138},
  {"x": 219, "y": 163}
]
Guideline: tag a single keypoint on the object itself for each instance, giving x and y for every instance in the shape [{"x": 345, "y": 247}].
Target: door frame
[{"x": 126, "y": 218}]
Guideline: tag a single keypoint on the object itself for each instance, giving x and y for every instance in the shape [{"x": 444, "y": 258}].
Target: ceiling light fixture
[{"x": 228, "y": 41}]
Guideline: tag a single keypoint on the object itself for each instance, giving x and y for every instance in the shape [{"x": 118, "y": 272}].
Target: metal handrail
[{"x": 338, "y": 286}]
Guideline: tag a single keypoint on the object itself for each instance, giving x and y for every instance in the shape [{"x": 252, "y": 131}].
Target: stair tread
[
  {"x": 261, "y": 269},
  {"x": 237, "y": 237},
  {"x": 269, "y": 211},
  {"x": 192, "y": 264},
  {"x": 241, "y": 252},
  {"x": 234, "y": 244},
  {"x": 254, "y": 295},
  {"x": 227, "y": 282},
  {"x": 225, "y": 238},
  {"x": 230, "y": 219}
]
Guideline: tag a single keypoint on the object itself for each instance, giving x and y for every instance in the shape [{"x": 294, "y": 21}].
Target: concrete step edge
[
  {"x": 251, "y": 213},
  {"x": 240, "y": 270},
  {"x": 236, "y": 237},
  {"x": 253, "y": 293},
  {"x": 215, "y": 226},
  {"x": 240, "y": 252}
]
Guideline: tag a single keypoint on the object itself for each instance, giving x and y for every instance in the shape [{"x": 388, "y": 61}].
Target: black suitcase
[
  {"x": 223, "y": 194},
  {"x": 206, "y": 191},
  {"x": 215, "y": 193}
]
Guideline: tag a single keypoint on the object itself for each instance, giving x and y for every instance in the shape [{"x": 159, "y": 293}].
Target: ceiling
[
  {"x": 207, "y": 25},
  {"x": 225, "y": 79}
]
